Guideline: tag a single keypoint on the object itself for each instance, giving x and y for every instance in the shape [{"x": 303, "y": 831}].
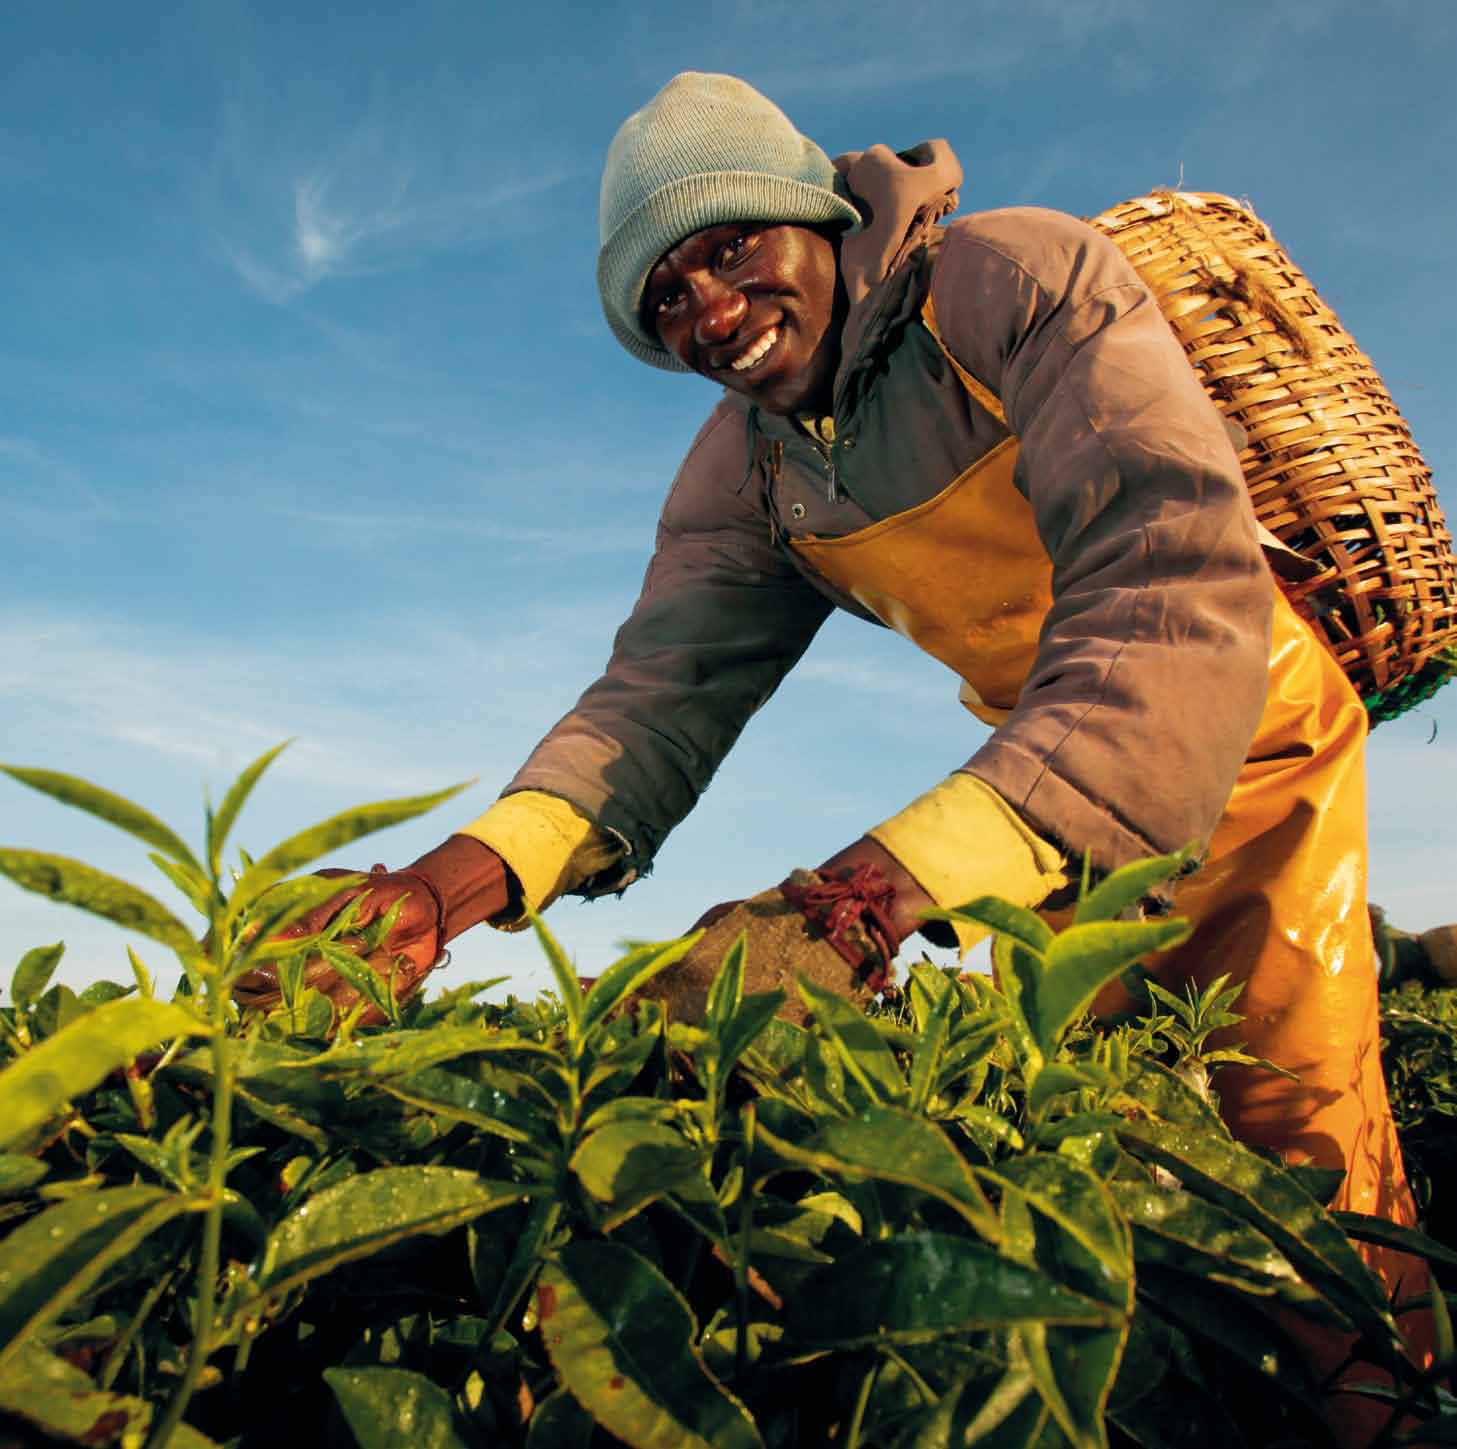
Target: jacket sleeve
[
  {"x": 722, "y": 617},
  {"x": 1152, "y": 664}
]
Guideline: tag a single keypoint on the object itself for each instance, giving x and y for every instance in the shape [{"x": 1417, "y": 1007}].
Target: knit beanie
[{"x": 706, "y": 149}]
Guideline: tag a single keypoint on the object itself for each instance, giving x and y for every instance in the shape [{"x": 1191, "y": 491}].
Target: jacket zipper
[{"x": 832, "y": 474}]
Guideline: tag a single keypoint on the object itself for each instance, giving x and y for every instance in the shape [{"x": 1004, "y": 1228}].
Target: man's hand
[
  {"x": 909, "y": 901},
  {"x": 443, "y": 893},
  {"x": 840, "y": 925}
]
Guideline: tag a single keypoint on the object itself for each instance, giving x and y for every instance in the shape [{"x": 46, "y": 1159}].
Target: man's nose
[{"x": 721, "y": 311}]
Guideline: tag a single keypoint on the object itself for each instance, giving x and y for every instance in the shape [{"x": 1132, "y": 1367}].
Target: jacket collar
[{"x": 901, "y": 196}]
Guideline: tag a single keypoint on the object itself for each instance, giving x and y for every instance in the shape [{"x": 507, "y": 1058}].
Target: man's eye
[
  {"x": 665, "y": 302},
  {"x": 737, "y": 249}
]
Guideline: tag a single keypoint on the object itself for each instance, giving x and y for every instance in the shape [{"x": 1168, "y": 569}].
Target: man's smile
[{"x": 755, "y": 352}]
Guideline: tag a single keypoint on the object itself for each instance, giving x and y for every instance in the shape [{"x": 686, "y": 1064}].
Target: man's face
[{"x": 756, "y": 308}]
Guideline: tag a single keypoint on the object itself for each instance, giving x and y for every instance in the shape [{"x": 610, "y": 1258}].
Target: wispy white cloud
[
  {"x": 340, "y": 225},
  {"x": 316, "y": 176},
  {"x": 418, "y": 705},
  {"x": 37, "y": 485},
  {"x": 370, "y": 530}
]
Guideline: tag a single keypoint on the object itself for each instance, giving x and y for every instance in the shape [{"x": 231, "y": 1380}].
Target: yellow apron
[{"x": 1281, "y": 904}]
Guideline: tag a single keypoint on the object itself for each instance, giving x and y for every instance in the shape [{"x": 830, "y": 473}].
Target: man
[{"x": 983, "y": 435}]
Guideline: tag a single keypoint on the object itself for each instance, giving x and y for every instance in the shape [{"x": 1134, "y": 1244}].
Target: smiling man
[
  {"x": 982, "y": 434},
  {"x": 755, "y": 307}
]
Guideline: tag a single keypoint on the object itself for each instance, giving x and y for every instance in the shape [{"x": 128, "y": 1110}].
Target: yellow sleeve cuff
[
  {"x": 548, "y": 843},
  {"x": 962, "y": 840}
]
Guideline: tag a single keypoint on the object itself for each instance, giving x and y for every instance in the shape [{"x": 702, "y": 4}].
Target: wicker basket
[{"x": 1329, "y": 460}]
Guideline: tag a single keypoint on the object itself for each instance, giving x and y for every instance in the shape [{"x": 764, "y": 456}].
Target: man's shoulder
[
  {"x": 1053, "y": 248},
  {"x": 709, "y": 489}
]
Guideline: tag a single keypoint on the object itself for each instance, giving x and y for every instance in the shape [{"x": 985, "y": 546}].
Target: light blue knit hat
[{"x": 706, "y": 149}]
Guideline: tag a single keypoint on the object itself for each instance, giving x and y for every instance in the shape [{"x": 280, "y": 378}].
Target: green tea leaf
[
  {"x": 1126, "y": 887},
  {"x": 1079, "y": 962},
  {"x": 18, "y": 1173},
  {"x": 560, "y": 1422},
  {"x": 458, "y": 999},
  {"x": 278, "y": 908},
  {"x": 126, "y": 815},
  {"x": 1265, "y": 1195},
  {"x": 1180, "y": 1231},
  {"x": 56, "y": 1009},
  {"x": 969, "y": 1045},
  {"x": 623, "y": 1341},
  {"x": 751, "y": 1020},
  {"x": 627, "y": 1164},
  {"x": 1366, "y": 1229},
  {"x": 1167, "y": 1095},
  {"x": 62, "y": 1402},
  {"x": 339, "y": 830},
  {"x": 526, "y": 1257},
  {"x": 75, "y": 884},
  {"x": 865, "y": 1055},
  {"x": 1073, "y": 1230},
  {"x": 220, "y": 824},
  {"x": 1078, "y": 1201},
  {"x": 617, "y": 1055},
  {"x": 400, "y": 1054},
  {"x": 100, "y": 992},
  {"x": 1073, "y": 1369},
  {"x": 369, "y": 983},
  {"x": 629, "y": 974},
  {"x": 916, "y": 1287},
  {"x": 1003, "y": 918},
  {"x": 728, "y": 986},
  {"x": 195, "y": 888},
  {"x": 388, "y": 1407},
  {"x": 52, "y": 1259},
  {"x": 1231, "y": 1323},
  {"x": 1059, "y": 1077},
  {"x": 34, "y": 973},
  {"x": 1008, "y": 1415},
  {"x": 36, "y": 1086},
  {"x": 140, "y": 973},
  {"x": 890, "y": 1144},
  {"x": 930, "y": 1047},
  {"x": 568, "y": 983},
  {"x": 461, "y": 1099},
  {"x": 363, "y": 1214}
]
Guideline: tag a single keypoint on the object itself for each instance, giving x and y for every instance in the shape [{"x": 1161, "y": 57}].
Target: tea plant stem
[
  {"x": 862, "y": 1402},
  {"x": 918, "y": 1383},
  {"x": 117, "y": 1357},
  {"x": 212, "y": 1227},
  {"x": 741, "y": 1258}
]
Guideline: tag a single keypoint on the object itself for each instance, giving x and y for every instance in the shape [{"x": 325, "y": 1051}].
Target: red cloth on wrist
[{"x": 852, "y": 912}]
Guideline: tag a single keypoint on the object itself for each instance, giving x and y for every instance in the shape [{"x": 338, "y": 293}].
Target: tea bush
[{"x": 975, "y": 1217}]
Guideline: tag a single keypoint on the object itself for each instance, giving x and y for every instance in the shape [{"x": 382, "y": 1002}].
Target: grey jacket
[{"x": 1151, "y": 668}]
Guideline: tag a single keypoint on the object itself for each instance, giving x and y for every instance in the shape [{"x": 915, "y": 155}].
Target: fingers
[
  {"x": 714, "y": 914},
  {"x": 406, "y": 956}
]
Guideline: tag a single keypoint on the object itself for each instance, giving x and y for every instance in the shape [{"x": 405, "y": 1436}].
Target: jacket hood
[{"x": 900, "y": 195}]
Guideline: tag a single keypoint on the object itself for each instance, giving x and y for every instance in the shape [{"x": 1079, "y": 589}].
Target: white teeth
[{"x": 746, "y": 360}]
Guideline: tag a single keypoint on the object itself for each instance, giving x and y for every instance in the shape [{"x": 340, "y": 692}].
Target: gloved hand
[
  {"x": 840, "y": 925},
  {"x": 445, "y": 892}
]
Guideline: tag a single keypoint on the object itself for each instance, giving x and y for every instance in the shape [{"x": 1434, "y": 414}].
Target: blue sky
[{"x": 310, "y": 426}]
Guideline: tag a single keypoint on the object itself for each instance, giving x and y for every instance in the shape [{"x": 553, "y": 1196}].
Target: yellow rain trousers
[{"x": 1281, "y": 903}]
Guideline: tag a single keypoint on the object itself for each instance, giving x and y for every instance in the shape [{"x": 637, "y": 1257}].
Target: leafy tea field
[{"x": 973, "y": 1216}]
